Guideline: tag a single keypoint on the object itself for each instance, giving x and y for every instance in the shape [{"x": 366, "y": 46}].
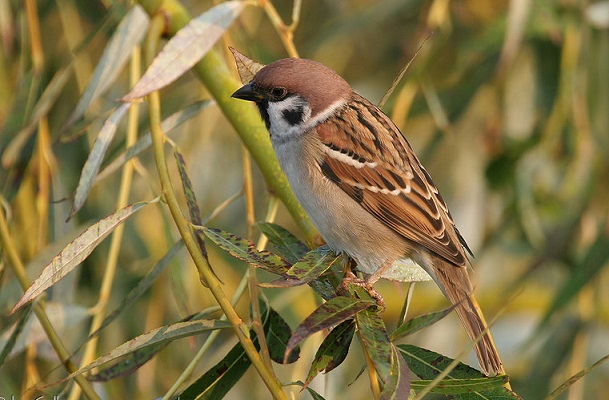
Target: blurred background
[{"x": 506, "y": 105}]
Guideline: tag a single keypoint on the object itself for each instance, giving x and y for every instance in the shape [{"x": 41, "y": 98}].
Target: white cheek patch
[{"x": 280, "y": 126}]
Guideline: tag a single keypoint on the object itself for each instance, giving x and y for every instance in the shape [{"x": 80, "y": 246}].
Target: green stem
[
  {"x": 220, "y": 82},
  {"x": 204, "y": 269}
]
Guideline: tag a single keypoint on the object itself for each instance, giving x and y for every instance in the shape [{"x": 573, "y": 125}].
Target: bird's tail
[{"x": 455, "y": 283}]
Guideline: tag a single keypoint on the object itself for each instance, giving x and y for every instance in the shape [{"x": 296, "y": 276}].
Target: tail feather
[{"x": 455, "y": 283}]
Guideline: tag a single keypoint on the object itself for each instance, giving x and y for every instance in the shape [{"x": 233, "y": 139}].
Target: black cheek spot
[{"x": 293, "y": 116}]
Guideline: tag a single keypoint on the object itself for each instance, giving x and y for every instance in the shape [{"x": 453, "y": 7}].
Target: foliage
[{"x": 113, "y": 248}]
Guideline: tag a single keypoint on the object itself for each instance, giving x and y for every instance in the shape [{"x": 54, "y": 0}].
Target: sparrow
[{"x": 363, "y": 187}]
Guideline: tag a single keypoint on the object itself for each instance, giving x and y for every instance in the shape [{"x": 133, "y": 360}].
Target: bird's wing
[{"x": 378, "y": 169}]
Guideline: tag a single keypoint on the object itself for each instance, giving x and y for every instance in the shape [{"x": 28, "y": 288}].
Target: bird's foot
[{"x": 351, "y": 278}]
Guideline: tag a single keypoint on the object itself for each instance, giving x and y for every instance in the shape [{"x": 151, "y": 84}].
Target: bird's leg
[
  {"x": 378, "y": 274},
  {"x": 351, "y": 278}
]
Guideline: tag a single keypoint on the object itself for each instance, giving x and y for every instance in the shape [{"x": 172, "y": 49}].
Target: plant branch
[
  {"x": 221, "y": 83},
  {"x": 99, "y": 310},
  {"x": 285, "y": 32},
  {"x": 205, "y": 273}
]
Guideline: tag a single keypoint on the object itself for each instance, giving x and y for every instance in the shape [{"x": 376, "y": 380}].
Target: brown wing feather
[{"x": 385, "y": 177}]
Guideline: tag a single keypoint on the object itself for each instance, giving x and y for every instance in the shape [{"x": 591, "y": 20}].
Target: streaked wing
[{"x": 381, "y": 172}]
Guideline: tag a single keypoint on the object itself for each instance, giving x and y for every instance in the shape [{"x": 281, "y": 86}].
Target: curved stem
[
  {"x": 157, "y": 27},
  {"x": 99, "y": 310},
  {"x": 221, "y": 83},
  {"x": 285, "y": 32}
]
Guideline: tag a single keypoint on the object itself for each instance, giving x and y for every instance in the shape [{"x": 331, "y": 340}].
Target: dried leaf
[
  {"x": 77, "y": 251},
  {"x": 326, "y": 316},
  {"x": 246, "y": 67},
  {"x": 96, "y": 156},
  {"x": 186, "y": 48},
  {"x": 145, "y": 141},
  {"x": 129, "y": 34}
]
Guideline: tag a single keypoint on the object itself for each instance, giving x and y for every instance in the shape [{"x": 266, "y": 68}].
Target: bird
[{"x": 364, "y": 188}]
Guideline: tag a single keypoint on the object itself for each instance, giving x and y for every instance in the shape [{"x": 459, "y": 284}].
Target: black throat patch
[{"x": 262, "y": 107}]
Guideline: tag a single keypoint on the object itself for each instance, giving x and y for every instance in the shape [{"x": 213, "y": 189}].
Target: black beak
[{"x": 247, "y": 92}]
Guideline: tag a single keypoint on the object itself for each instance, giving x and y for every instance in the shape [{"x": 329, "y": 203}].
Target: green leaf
[
  {"x": 398, "y": 385},
  {"x": 186, "y": 48},
  {"x": 333, "y": 350},
  {"x": 66, "y": 318},
  {"x": 77, "y": 251},
  {"x": 246, "y": 251},
  {"x": 463, "y": 386},
  {"x": 328, "y": 315},
  {"x": 287, "y": 245},
  {"x": 463, "y": 382},
  {"x": 131, "y": 355},
  {"x": 313, "y": 264},
  {"x": 277, "y": 336},
  {"x": 128, "y": 364},
  {"x": 218, "y": 380},
  {"x": 191, "y": 200},
  {"x": 416, "y": 324},
  {"x": 426, "y": 364},
  {"x": 16, "y": 331},
  {"x": 313, "y": 393},
  {"x": 572, "y": 380},
  {"x": 551, "y": 358},
  {"x": 374, "y": 338}
]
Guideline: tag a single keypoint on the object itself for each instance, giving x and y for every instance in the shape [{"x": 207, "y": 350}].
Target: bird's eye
[{"x": 279, "y": 92}]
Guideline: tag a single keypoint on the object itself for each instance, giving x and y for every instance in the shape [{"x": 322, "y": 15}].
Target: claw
[{"x": 351, "y": 278}]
